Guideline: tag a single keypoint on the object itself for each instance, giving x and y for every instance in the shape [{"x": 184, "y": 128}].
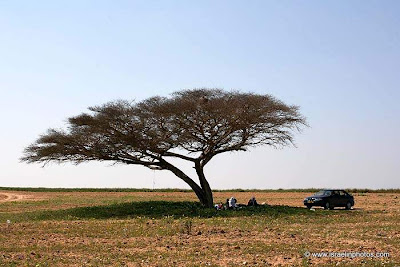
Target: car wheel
[
  {"x": 348, "y": 205},
  {"x": 309, "y": 206},
  {"x": 327, "y": 205}
]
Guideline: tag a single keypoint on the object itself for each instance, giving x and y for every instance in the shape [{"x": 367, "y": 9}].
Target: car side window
[{"x": 342, "y": 193}]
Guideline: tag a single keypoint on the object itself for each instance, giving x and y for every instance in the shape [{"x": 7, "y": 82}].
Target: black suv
[{"x": 329, "y": 199}]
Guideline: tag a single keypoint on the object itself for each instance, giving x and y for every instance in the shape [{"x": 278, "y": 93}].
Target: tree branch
[{"x": 176, "y": 155}]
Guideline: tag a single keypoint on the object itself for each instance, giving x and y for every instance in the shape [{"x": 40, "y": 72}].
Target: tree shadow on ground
[{"x": 159, "y": 209}]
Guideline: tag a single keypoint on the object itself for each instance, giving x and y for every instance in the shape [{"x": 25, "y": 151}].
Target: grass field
[{"x": 82, "y": 228}]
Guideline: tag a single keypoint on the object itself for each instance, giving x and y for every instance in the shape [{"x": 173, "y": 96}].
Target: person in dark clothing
[{"x": 252, "y": 202}]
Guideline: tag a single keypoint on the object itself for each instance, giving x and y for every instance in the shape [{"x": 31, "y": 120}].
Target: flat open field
[{"x": 169, "y": 229}]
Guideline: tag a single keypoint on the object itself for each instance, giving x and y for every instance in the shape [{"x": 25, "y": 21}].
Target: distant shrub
[{"x": 45, "y": 189}]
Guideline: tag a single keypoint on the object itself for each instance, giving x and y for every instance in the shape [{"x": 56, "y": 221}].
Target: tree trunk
[
  {"x": 209, "y": 197},
  {"x": 197, "y": 189},
  {"x": 203, "y": 193},
  {"x": 205, "y": 186}
]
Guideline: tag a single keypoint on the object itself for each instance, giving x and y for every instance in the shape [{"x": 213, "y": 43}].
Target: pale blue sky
[{"x": 338, "y": 60}]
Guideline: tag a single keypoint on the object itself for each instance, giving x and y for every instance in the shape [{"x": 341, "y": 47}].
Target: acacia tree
[{"x": 192, "y": 125}]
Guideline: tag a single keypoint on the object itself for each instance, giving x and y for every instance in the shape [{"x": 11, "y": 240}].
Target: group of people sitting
[{"x": 231, "y": 203}]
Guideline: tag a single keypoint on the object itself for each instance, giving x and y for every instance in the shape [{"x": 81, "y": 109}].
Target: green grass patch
[{"x": 151, "y": 209}]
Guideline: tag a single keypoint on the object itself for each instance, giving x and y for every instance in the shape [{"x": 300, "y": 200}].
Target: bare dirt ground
[
  {"x": 364, "y": 201},
  {"x": 281, "y": 240},
  {"x": 6, "y": 196}
]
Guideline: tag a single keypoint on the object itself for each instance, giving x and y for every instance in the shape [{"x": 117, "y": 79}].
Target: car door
[
  {"x": 343, "y": 198},
  {"x": 335, "y": 198}
]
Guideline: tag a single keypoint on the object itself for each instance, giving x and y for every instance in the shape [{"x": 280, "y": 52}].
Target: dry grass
[{"x": 233, "y": 240}]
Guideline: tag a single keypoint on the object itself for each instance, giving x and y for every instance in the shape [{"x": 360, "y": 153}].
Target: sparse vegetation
[
  {"x": 149, "y": 209},
  {"x": 168, "y": 229},
  {"x": 48, "y": 189}
]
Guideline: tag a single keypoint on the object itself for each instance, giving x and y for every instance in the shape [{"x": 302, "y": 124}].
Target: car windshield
[{"x": 323, "y": 193}]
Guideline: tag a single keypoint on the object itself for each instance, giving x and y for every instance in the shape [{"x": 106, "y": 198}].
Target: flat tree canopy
[{"x": 193, "y": 125}]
